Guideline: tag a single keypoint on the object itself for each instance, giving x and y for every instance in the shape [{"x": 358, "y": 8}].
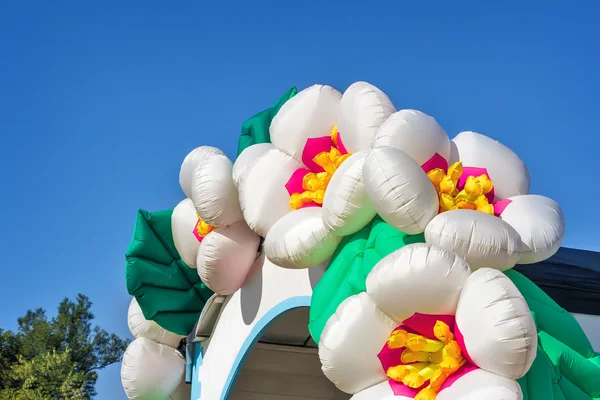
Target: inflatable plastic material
[
  {"x": 256, "y": 129},
  {"x": 168, "y": 291},
  {"x": 313, "y": 135},
  {"x": 346, "y": 207},
  {"x": 417, "y": 326},
  {"x": 150, "y": 370},
  {"x": 141, "y": 327},
  {"x": 419, "y": 234},
  {"x": 209, "y": 230},
  {"x": 560, "y": 338},
  {"x": 399, "y": 190},
  {"x": 483, "y": 240},
  {"x": 226, "y": 256}
]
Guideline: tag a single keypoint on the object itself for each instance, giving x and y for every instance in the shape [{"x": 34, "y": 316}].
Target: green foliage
[
  {"x": 56, "y": 358},
  {"x": 47, "y": 376}
]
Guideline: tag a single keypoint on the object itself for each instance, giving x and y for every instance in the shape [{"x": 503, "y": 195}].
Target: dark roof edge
[{"x": 577, "y": 258}]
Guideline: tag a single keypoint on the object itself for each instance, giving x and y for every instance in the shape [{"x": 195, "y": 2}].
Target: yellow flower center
[
  {"x": 315, "y": 184},
  {"x": 202, "y": 228},
  {"x": 472, "y": 197},
  {"x": 425, "y": 359}
]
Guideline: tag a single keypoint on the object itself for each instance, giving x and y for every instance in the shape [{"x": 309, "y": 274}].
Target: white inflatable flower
[
  {"x": 305, "y": 191},
  {"x": 469, "y": 195},
  {"x": 152, "y": 366},
  {"x": 208, "y": 227},
  {"x": 427, "y": 328}
]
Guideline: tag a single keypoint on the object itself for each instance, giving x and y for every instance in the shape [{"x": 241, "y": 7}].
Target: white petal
[
  {"x": 351, "y": 341},
  {"x": 381, "y": 391},
  {"x": 481, "y": 239},
  {"x": 262, "y": 193},
  {"x": 415, "y": 133},
  {"x": 213, "y": 192},
  {"x": 183, "y": 223},
  {"x": 363, "y": 109},
  {"x": 418, "y": 278},
  {"x": 505, "y": 168},
  {"x": 139, "y": 326},
  {"x": 246, "y": 160},
  {"x": 226, "y": 256},
  {"x": 346, "y": 206},
  {"x": 482, "y": 385},
  {"x": 540, "y": 223},
  {"x": 190, "y": 163},
  {"x": 300, "y": 240},
  {"x": 496, "y": 323},
  {"x": 400, "y": 191},
  {"x": 151, "y": 369},
  {"x": 310, "y": 114}
]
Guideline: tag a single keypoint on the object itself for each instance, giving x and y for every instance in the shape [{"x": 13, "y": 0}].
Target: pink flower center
[
  {"x": 460, "y": 187},
  {"x": 322, "y": 156},
  {"x": 424, "y": 355}
]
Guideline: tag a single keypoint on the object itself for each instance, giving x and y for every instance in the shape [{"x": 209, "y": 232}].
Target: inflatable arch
[{"x": 401, "y": 241}]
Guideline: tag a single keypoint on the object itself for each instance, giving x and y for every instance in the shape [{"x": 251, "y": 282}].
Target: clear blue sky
[{"x": 100, "y": 102}]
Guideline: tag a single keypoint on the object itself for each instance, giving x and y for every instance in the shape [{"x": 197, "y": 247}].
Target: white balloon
[
  {"x": 246, "y": 159},
  {"x": 139, "y": 327},
  {"x": 540, "y": 223},
  {"x": 190, "y": 163},
  {"x": 505, "y": 168},
  {"x": 310, "y": 114},
  {"x": 399, "y": 190},
  {"x": 415, "y": 133},
  {"x": 481, "y": 239},
  {"x": 226, "y": 256},
  {"x": 151, "y": 369},
  {"x": 346, "y": 206},
  {"x": 300, "y": 240},
  {"x": 363, "y": 109},
  {"x": 418, "y": 278},
  {"x": 482, "y": 385},
  {"x": 183, "y": 224},
  {"x": 263, "y": 196},
  {"x": 214, "y": 193},
  {"x": 499, "y": 332},
  {"x": 351, "y": 341},
  {"x": 381, "y": 391}
]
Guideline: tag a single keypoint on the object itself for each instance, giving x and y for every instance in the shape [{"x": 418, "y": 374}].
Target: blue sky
[{"x": 100, "y": 102}]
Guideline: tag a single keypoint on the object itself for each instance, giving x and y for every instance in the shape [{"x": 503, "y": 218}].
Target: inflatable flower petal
[
  {"x": 319, "y": 141},
  {"x": 151, "y": 370},
  {"x": 152, "y": 367},
  {"x": 289, "y": 238},
  {"x": 470, "y": 173},
  {"x": 416, "y": 134},
  {"x": 418, "y": 329},
  {"x": 399, "y": 190},
  {"x": 501, "y": 164},
  {"x": 540, "y": 223},
  {"x": 139, "y": 326},
  {"x": 208, "y": 227},
  {"x": 476, "y": 385}
]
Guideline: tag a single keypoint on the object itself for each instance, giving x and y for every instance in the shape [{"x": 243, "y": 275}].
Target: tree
[{"x": 57, "y": 358}]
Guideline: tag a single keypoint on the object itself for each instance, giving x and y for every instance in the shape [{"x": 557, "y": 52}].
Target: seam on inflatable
[
  {"x": 387, "y": 181},
  {"x": 438, "y": 233},
  {"x": 355, "y": 186},
  {"x": 505, "y": 288}
]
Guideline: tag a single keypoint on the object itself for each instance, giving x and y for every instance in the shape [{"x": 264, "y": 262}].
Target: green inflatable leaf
[
  {"x": 256, "y": 129},
  {"x": 347, "y": 272},
  {"x": 167, "y": 290},
  {"x": 566, "y": 367}
]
